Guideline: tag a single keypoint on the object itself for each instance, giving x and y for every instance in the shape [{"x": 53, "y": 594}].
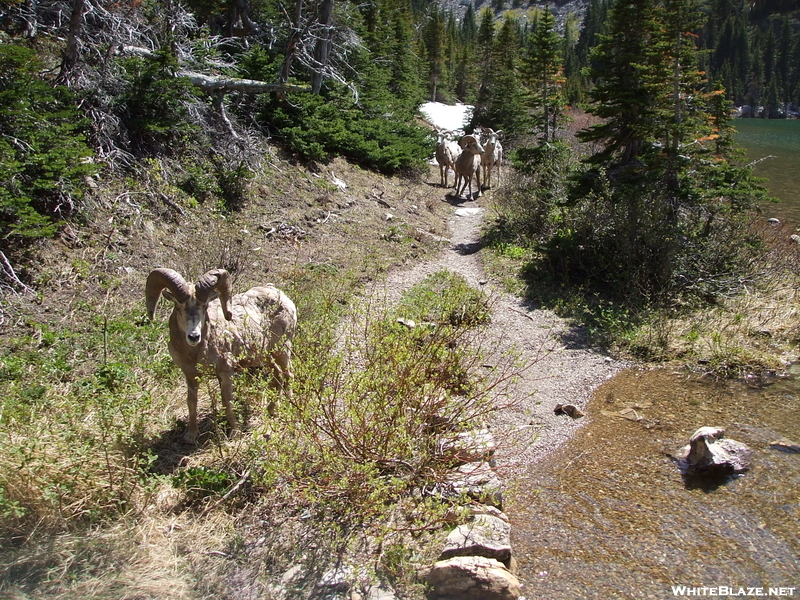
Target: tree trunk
[
  {"x": 291, "y": 43},
  {"x": 323, "y": 47},
  {"x": 70, "y": 58}
]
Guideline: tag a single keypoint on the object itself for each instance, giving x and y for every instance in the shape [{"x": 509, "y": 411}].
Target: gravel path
[{"x": 562, "y": 368}]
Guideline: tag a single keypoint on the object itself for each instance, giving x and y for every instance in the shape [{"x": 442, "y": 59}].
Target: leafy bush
[
  {"x": 74, "y": 422},
  {"x": 44, "y": 158},
  {"x": 155, "y": 106},
  {"x": 320, "y": 127},
  {"x": 360, "y": 430}
]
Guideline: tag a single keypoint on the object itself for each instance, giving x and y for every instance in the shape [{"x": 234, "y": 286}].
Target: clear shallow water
[
  {"x": 780, "y": 139},
  {"x": 609, "y": 515}
]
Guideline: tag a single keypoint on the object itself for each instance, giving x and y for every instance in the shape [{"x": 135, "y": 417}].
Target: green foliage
[
  {"x": 530, "y": 202},
  {"x": 76, "y": 412},
  {"x": 44, "y": 158},
  {"x": 154, "y": 106},
  {"x": 319, "y": 127},
  {"x": 200, "y": 482},
  {"x": 445, "y": 298},
  {"x": 541, "y": 68},
  {"x": 500, "y": 103},
  {"x": 358, "y": 433}
]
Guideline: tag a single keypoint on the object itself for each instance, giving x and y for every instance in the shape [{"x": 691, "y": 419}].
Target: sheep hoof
[{"x": 190, "y": 437}]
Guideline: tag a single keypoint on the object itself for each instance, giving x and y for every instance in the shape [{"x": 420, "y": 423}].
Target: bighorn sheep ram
[
  {"x": 468, "y": 164},
  {"x": 493, "y": 155},
  {"x": 209, "y": 327},
  {"x": 447, "y": 151}
]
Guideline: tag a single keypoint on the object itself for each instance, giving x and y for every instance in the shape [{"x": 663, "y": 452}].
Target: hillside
[{"x": 337, "y": 227}]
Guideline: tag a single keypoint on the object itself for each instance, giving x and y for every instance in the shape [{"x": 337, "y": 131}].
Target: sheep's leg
[
  {"x": 282, "y": 375},
  {"x": 283, "y": 371},
  {"x": 464, "y": 181},
  {"x": 191, "y": 399},
  {"x": 226, "y": 388}
]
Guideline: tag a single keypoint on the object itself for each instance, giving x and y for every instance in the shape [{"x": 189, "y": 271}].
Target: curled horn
[
  {"x": 218, "y": 280},
  {"x": 164, "y": 278}
]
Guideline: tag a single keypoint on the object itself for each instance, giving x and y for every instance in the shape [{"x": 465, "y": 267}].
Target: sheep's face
[
  {"x": 190, "y": 317},
  {"x": 471, "y": 144}
]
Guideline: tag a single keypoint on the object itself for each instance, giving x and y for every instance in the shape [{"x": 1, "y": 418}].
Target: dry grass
[{"x": 78, "y": 518}]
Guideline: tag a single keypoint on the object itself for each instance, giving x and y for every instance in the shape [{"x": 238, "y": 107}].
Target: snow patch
[{"x": 444, "y": 116}]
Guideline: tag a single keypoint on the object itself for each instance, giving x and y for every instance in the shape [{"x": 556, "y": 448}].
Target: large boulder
[
  {"x": 472, "y": 578},
  {"x": 710, "y": 453}
]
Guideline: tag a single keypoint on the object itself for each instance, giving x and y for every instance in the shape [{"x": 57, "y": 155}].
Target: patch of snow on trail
[{"x": 444, "y": 116}]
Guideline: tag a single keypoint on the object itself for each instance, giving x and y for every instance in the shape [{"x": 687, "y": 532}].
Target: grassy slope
[{"x": 91, "y": 399}]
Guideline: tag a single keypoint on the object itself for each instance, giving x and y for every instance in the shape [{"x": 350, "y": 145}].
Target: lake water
[
  {"x": 778, "y": 139},
  {"x": 609, "y": 516}
]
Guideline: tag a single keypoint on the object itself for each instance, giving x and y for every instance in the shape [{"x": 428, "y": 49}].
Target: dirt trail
[{"x": 563, "y": 368}]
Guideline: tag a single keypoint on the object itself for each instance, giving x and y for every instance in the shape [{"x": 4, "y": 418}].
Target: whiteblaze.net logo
[{"x": 731, "y": 591}]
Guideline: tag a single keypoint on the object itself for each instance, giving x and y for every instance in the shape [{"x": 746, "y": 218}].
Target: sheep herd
[{"x": 474, "y": 156}]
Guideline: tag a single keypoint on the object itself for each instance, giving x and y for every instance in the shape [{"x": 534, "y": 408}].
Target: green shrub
[
  {"x": 76, "y": 415},
  {"x": 320, "y": 127},
  {"x": 154, "y": 106},
  {"x": 370, "y": 396},
  {"x": 44, "y": 158}
]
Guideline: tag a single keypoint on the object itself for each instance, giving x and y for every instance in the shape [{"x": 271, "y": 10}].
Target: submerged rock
[
  {"x": 785, "y": 445},
  {"x": 709, "y": 453}
]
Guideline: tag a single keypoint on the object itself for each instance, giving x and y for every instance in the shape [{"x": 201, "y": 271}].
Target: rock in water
[{"x": 709, "y": 453}]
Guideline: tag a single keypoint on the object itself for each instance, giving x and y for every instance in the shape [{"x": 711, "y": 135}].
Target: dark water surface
[
  {"x": 609, "y": 516},
  {"x": 779, "y": 139}
]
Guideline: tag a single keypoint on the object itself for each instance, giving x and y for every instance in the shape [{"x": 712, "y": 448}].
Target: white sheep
[
  {"x": 468, "y": 164},
  {"x": 493, "y": 157},
  {"x": 447, "y": 151},
  {"x": 209, "y": 327}
]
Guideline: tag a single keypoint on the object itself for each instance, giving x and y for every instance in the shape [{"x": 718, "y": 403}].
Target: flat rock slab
[
  {"x": 470, "y": 446},
  {"x": 468, "y": 212},
  {"x": 485, "y": 535},
  {"x": 785, "y": 445},
  {"x": 472, "y": 578}
]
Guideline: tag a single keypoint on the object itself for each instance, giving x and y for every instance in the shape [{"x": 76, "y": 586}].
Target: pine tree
[
  {"x": 484, "y": 64},
  {"x": 665, "y": 177},
  {"x": 434, "y": 36},
  {"x": 784, "y": 61},
  {"x": 594, "y": 25},
  {"x": 574, "y": 87},
  {"x": 542, "y": 71},
  {"x": 623, "y": 96}
]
